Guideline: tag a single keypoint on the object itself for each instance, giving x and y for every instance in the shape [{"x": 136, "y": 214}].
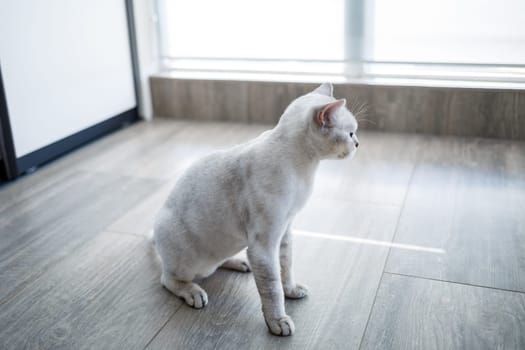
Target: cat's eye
[{"x": 351, "y": 134}]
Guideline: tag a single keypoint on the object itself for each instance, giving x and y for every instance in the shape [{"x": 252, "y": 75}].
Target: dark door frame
[
  {"x": 8, "y": 168},
  {"x": 11, "y": 166}
]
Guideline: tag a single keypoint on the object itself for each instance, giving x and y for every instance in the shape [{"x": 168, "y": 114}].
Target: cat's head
[{"x": 332, "y": 127}]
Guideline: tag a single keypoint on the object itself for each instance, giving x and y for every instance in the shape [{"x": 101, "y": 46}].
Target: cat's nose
[{"x": 356, "y": 144}]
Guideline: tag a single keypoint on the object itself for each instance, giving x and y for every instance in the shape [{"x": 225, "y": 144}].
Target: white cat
[{"x": 247, "y": 196}]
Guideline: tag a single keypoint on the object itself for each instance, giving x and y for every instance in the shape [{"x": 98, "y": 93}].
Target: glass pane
[
  {"x": 270, "y": 29},
  {"x": 447, "y": 31}
]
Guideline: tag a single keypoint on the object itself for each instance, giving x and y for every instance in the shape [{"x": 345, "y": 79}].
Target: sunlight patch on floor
[{"x": 367, "y": 241}]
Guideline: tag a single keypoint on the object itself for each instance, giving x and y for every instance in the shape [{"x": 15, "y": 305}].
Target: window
[
  {"x": 438, "y": 39},
  {"x": 448, "y": 31},
  {"x": 270, "y": 29}
]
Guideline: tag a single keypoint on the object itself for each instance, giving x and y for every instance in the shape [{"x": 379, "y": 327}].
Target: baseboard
[
  {"x": 74, "y": 141},
  {"x": 468, "y": 112}
]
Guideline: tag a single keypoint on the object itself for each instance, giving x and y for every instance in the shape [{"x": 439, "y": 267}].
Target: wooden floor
[{"x": 418, "y": 243}]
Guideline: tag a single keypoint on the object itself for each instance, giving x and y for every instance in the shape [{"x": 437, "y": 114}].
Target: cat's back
[
  {"x": 218, "y": 172},
  {"x": 231, "y": 174}
]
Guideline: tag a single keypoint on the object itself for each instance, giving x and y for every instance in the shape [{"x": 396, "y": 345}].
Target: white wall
[{"x": 66, "y": 66}]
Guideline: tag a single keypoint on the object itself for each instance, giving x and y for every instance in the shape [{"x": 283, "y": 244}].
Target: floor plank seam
[
  {"x": 23, "y": 285},
  {"x": 455, "y": 282},
  {"x": 162, "y": 327},
  {"x": 26, "y": 177},
  {"x": 371, "y": 310},
  {"x": 403, "y": 203}
]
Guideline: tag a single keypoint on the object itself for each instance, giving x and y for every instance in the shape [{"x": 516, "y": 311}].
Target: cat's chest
[{"x": 301, "y": 190}]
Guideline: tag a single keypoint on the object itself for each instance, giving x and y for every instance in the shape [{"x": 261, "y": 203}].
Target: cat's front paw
[
  {"x": 195, "y": 296},
  {"x": 281, "y": 326},
  {"x": 297, "y": 291}
]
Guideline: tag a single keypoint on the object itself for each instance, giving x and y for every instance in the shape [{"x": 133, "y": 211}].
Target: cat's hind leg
[
  {"x": 236, "y": 264},
  {"x": 191, "y": 292}
]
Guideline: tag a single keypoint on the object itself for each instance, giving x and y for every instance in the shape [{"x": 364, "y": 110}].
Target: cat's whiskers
[
  {"x": 360, "y": 111},
  {"x": 366, "y": 120}
]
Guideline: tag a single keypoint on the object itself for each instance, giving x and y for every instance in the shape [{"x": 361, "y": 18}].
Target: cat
[{"x": 247, "y": 196}]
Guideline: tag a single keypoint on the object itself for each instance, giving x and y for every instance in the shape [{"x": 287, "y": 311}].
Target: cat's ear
[
  {"x": 325, "y": 89},
  {"x": 325, "y": 116}
]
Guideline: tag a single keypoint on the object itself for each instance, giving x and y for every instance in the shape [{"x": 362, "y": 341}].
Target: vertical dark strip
[
  {"x": 8, "y": 168},
  {"x": 133, "y": 48},
  {"x": 11, "y": 167}
]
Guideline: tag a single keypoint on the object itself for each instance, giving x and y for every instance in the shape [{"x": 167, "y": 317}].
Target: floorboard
[
  {"x": 467, "y": 198},
  {"x": 415, "y": 313},
  {"x": 167, "y": 149},
  {"x": 342, "y": 275},
  {"x": 443, "y": 216},
  {"x": 104, "y": 295},
  {"x": 46, "y": 227},
  {"x": 379, "y": 173}
]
